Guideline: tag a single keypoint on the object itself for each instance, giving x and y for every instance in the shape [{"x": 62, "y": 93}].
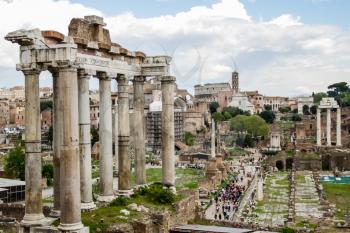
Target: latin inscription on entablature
[{"x": 93, "y": 61}]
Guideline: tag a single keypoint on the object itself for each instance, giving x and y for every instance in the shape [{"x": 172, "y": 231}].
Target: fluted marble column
[
  {"x": 339, "y": 127},
  {"x": 318, "y": 127},
  {"x": 70, "y": 219},
  {"x": 329, "y": 142},
  {"x": 85, "y": 141},
  {"x": 124, "y": 134},
  {"x": 33, "y": 197},
  {"x": 168, "y": 134},
  {"x": 213, "y": 138},
  {"x": 139, "y": 114},
  {"x": 106, "y": 153},
  {"x": 57, "y": 140},
  {"x": 115, "y": 135}
]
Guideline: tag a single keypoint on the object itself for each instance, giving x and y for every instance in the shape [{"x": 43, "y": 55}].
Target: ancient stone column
[
  {"x": 124, "y": 134},
  {"x": 329, "y": 142},
  {"x": 115, "y": 135},
  {"x": 33, "y": 197},
  {"x": 213, "y": 138},
  {"x": 106, "y": 153},
  {"x": 168, "y": 134},
  {"x": 139, "y": 115},
  {"x": 70, "y": 219},
  {"x": 339, "y": 127},
  {"x": 318, "y": 118},
  {"x": 85, "y": 141},
  {"x": 57, "y": 140}
]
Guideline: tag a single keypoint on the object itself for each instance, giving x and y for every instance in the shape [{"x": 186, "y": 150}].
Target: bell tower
[{"x": 235, "y": 82}]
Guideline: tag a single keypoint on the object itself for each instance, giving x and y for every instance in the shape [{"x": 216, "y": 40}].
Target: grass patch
[
  {"x": 300, "y": 179},
  {"x": 185, "y": 177},
  {"x": 153, "y": 197},
  {"x": 338, "y": 194},
  {"x": 104, "y": 217},
  {"x": 306, "y": 224}
]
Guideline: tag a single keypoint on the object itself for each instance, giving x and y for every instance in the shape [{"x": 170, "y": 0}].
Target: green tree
[
  {"x": 267, "y": 107},
  {"x": 45, "y": 105},
  {"x": 189, "y": 139},
  {"x": 47, "y": 172},
  {"x": 254, "y": 125},
  {"x": 339, "y": 88},
  {"x": 95, "y": 136},
  {"x": 233, "y": 111},
  {"x": 296, "y": 117},
  {"x": 248, "y": 141},
  {"x": 217, "y": 116},
  {"x": 237, "y": 123},
  {"x": 268, "y": 116},
  {"x": 227, "y": 115},
  {"x": 213, "y": 107},
  {"x": 345, "y": 100},
  {"x": 318, "y": 97},
  {"x": 284, "y": 109},
  {"x": 15, "y": 163}
]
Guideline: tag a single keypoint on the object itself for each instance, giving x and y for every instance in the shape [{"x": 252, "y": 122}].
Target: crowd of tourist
[{"x": 227, "y": 202}]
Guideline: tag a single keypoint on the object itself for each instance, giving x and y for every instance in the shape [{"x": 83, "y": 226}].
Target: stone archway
[
  {"x": 280, "y": 165},
  {"x": 326, "y": 162},
  {"x": 289, "y": 163}
]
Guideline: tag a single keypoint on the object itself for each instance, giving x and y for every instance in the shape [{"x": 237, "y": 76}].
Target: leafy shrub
[
  {"x": 287, "y": 230},
  {"x": 155, "y": 193},
  {"x": 120, "y": 201}
]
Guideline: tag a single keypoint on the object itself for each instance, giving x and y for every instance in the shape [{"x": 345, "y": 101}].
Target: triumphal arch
[{"x": 87, "y": 51}]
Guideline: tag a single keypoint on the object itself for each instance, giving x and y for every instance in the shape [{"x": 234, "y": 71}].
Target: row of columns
[
  {"x": 72, "y": 142},
  {"x": 328, "y": 127}
]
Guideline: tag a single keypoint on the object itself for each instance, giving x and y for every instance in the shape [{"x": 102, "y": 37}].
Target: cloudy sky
[{"x": 279, "y": 47}]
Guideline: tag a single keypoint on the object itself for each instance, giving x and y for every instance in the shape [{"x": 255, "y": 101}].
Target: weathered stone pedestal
[
  {"x": 212, "y": 169},
  {"x": 220, "y": 165}
]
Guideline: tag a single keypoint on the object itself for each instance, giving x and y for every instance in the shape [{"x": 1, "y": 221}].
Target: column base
[
  {"x": 74, "y": 227},
  {"x": 55, "y": 213},
  {"x": 106, "y": 199},
  {"x": 172, "y": 189},
  {"x": 87, "y": 206},
  {"x": 35, "y": 220},
  {"x": 124, "y": 193},
  {"x": 50, "y": 229}
]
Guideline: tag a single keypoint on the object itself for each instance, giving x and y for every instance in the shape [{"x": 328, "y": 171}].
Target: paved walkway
[
  {"x": 307, "y": 201},
  {"x": 246, "y": 198},
  {"x": 243, "y": 167}
]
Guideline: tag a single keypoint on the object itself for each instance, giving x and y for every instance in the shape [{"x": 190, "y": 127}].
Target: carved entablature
[
  {"x": 88, "y": 46},
  {"x": 156, "y": 66},
  {"x": 26, "y": 37},
  {"x": 328, "y": 103}
]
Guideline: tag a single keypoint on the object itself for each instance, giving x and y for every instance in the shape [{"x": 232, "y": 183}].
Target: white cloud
[
  {"x": 280, "y": 56},
  {"x": 286, "y": 20}
]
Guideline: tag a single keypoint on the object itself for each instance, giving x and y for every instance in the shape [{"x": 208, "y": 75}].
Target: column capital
[
  {"x": 168, "y": 79},
  {"x": 103, "y": 76},
  {"x": 83, "y": 74},
  {"x": 31, "y": 72},
  {"x": 139, "y": 79},
  {"x": 121, "y": 79}
]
